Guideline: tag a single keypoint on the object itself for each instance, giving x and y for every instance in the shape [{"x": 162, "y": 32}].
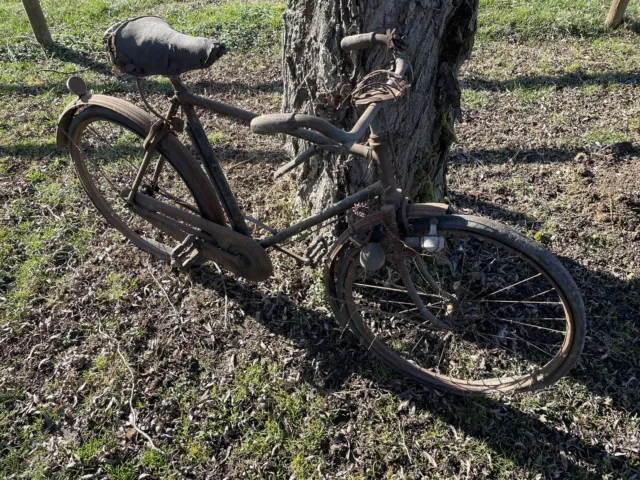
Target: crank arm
[
  {"x": 180, "y": 232},
  {"x": 236, "y": 252}
]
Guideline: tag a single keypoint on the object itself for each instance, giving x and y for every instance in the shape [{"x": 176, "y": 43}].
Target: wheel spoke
[
  {"x": 509, "y": 286},
  {"x": 379, "y": 287},
  {"x": 113, "y": 148},
  {"x": 521, "y": 302},
  {"x": 109, "y": 152},
  {"x": 502, "y": 309},
  {"x": 516, "y": 337},
  {"x": 529, "y": 325}
]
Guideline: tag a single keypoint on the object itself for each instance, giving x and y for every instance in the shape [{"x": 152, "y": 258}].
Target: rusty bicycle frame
[
  {"x": 379, "y": 151},
  {"x": 235, "y": 248},
  {"x": 188, "y": 101},
  {"x": 313, "y": 129}
]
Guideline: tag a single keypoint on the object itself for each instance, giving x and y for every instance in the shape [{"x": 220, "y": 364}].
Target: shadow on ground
[
  {"x": 570, "y": 80},
  {"x": 332, "y": 359},
  {"x": 609, "y": 360},
  {"x": 536, "y": 155},
  {"x": 532, "y": 439}
]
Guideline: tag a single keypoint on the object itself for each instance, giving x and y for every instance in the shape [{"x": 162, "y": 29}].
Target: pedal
[
  {"x": 188, "y": 254},
  {"x": 316, "y": 250}
]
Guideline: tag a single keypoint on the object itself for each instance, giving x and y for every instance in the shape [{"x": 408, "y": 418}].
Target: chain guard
[{"x": 241, "y": 255}]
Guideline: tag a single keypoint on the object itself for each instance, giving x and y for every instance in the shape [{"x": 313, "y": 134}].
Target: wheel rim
[
  {"x": 499, "y": 297},
  {"x": 108, "y": 155}
]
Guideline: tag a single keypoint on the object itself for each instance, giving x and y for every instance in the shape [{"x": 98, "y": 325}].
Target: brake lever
[
  {"x": 396, "y": 41},
  {"x": 306, "y": 155}
]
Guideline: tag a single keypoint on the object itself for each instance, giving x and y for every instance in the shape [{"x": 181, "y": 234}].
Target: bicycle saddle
[{"x": 148, "y": 45}]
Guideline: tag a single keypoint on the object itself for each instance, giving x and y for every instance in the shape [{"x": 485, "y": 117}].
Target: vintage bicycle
[{"x": 460, "y": 303}]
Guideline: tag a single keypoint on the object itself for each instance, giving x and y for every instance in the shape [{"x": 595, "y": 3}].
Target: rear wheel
[
  {"x": 516, "y": 317},
  {"x": 106, "y": 146}
]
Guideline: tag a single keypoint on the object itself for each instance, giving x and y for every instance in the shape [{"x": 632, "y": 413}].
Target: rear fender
[
  {"x": 142, "y": 118},
  {"x": 122, "y": 106}
]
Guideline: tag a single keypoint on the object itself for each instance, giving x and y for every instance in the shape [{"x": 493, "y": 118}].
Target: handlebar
[
  {"x": 317, "y": 130},
  {"x": 322, "y": 133},
  {"x": 363, "y": 40}
]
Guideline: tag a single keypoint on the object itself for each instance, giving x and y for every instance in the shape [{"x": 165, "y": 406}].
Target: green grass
[
  {"x": 30, "y": 261},
  {"x": 545, "y": 19},
  {"x": 605, "y": 136},
  {"x": 58, "y": 279},
  {"x": 532, "y": 93},
  {"x": 217, "y": 137},
  {"x": 115, "y": 287},
  {"x": 634, "y": 124},
  {"x": 123, "y": 471},
  {"x": 90, "y": 448},
  {"x": 80, "y": 25},
  {"x": 284, "y": 417},
  {"x": 154, "y": 462},
  {"x": 473, "y": 99}
]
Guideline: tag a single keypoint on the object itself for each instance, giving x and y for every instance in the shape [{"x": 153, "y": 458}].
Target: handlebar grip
[{"x": 362, "y": 41}]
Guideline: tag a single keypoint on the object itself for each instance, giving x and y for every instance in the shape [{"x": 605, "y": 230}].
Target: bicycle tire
[
  {"x": 138, "y": 122},
  {"x": 340, "y": 283}
]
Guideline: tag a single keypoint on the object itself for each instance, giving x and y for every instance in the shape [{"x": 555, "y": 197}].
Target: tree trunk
[
  {"x": 38, "y": 22},
  {"x": 616, "y": 13},
  {"x": 318, "y": 77}
]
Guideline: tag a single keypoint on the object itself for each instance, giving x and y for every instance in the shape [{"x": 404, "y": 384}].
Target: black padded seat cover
[{"x": 149, "y": 46}]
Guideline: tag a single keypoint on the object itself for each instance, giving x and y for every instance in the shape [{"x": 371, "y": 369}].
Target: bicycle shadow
[{"x": 333, "y": 357}]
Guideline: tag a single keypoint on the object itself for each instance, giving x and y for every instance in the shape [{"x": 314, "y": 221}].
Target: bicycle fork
[{"x": 394, "y": 203}]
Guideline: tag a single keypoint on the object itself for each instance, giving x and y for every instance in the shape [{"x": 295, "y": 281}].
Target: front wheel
[{"x": 516, "y": 318}]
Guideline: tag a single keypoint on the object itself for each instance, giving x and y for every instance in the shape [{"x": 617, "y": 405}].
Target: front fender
[{"x": 418, "y": 210}]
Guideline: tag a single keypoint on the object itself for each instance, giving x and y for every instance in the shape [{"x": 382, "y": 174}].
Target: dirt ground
[{"x": 237, "y": 380}]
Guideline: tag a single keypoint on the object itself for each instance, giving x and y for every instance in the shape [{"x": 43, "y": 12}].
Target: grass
[
  {"x": 284, "y": 419},
  {"x": 474, "y": 99},
  {"x": 233, "y": 379},
  {"x": 116, "y": 287},
  {"x": 544, "y": 19},
  {"x": 240, "y": 25},
  {"x": 153, "y": 462},
  {"x": 606, "y": 136},
  {"x": 90, "y": 448},
  {"x": 217, "y": 137}
]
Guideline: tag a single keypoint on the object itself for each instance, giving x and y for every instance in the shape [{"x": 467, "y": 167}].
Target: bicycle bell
[{"x": 372, "y": 257}]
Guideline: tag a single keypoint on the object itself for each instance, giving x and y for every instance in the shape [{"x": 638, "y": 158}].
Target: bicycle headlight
[{"x": 372, "y": 257}]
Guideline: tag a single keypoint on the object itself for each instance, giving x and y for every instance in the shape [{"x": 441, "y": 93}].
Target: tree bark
[{"x": 318, "y": 77}]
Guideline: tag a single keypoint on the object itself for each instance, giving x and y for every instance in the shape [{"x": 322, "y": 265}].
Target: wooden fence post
[
  {"x": 38, "y": 22},
  {"x": 616, "y": 14}
]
